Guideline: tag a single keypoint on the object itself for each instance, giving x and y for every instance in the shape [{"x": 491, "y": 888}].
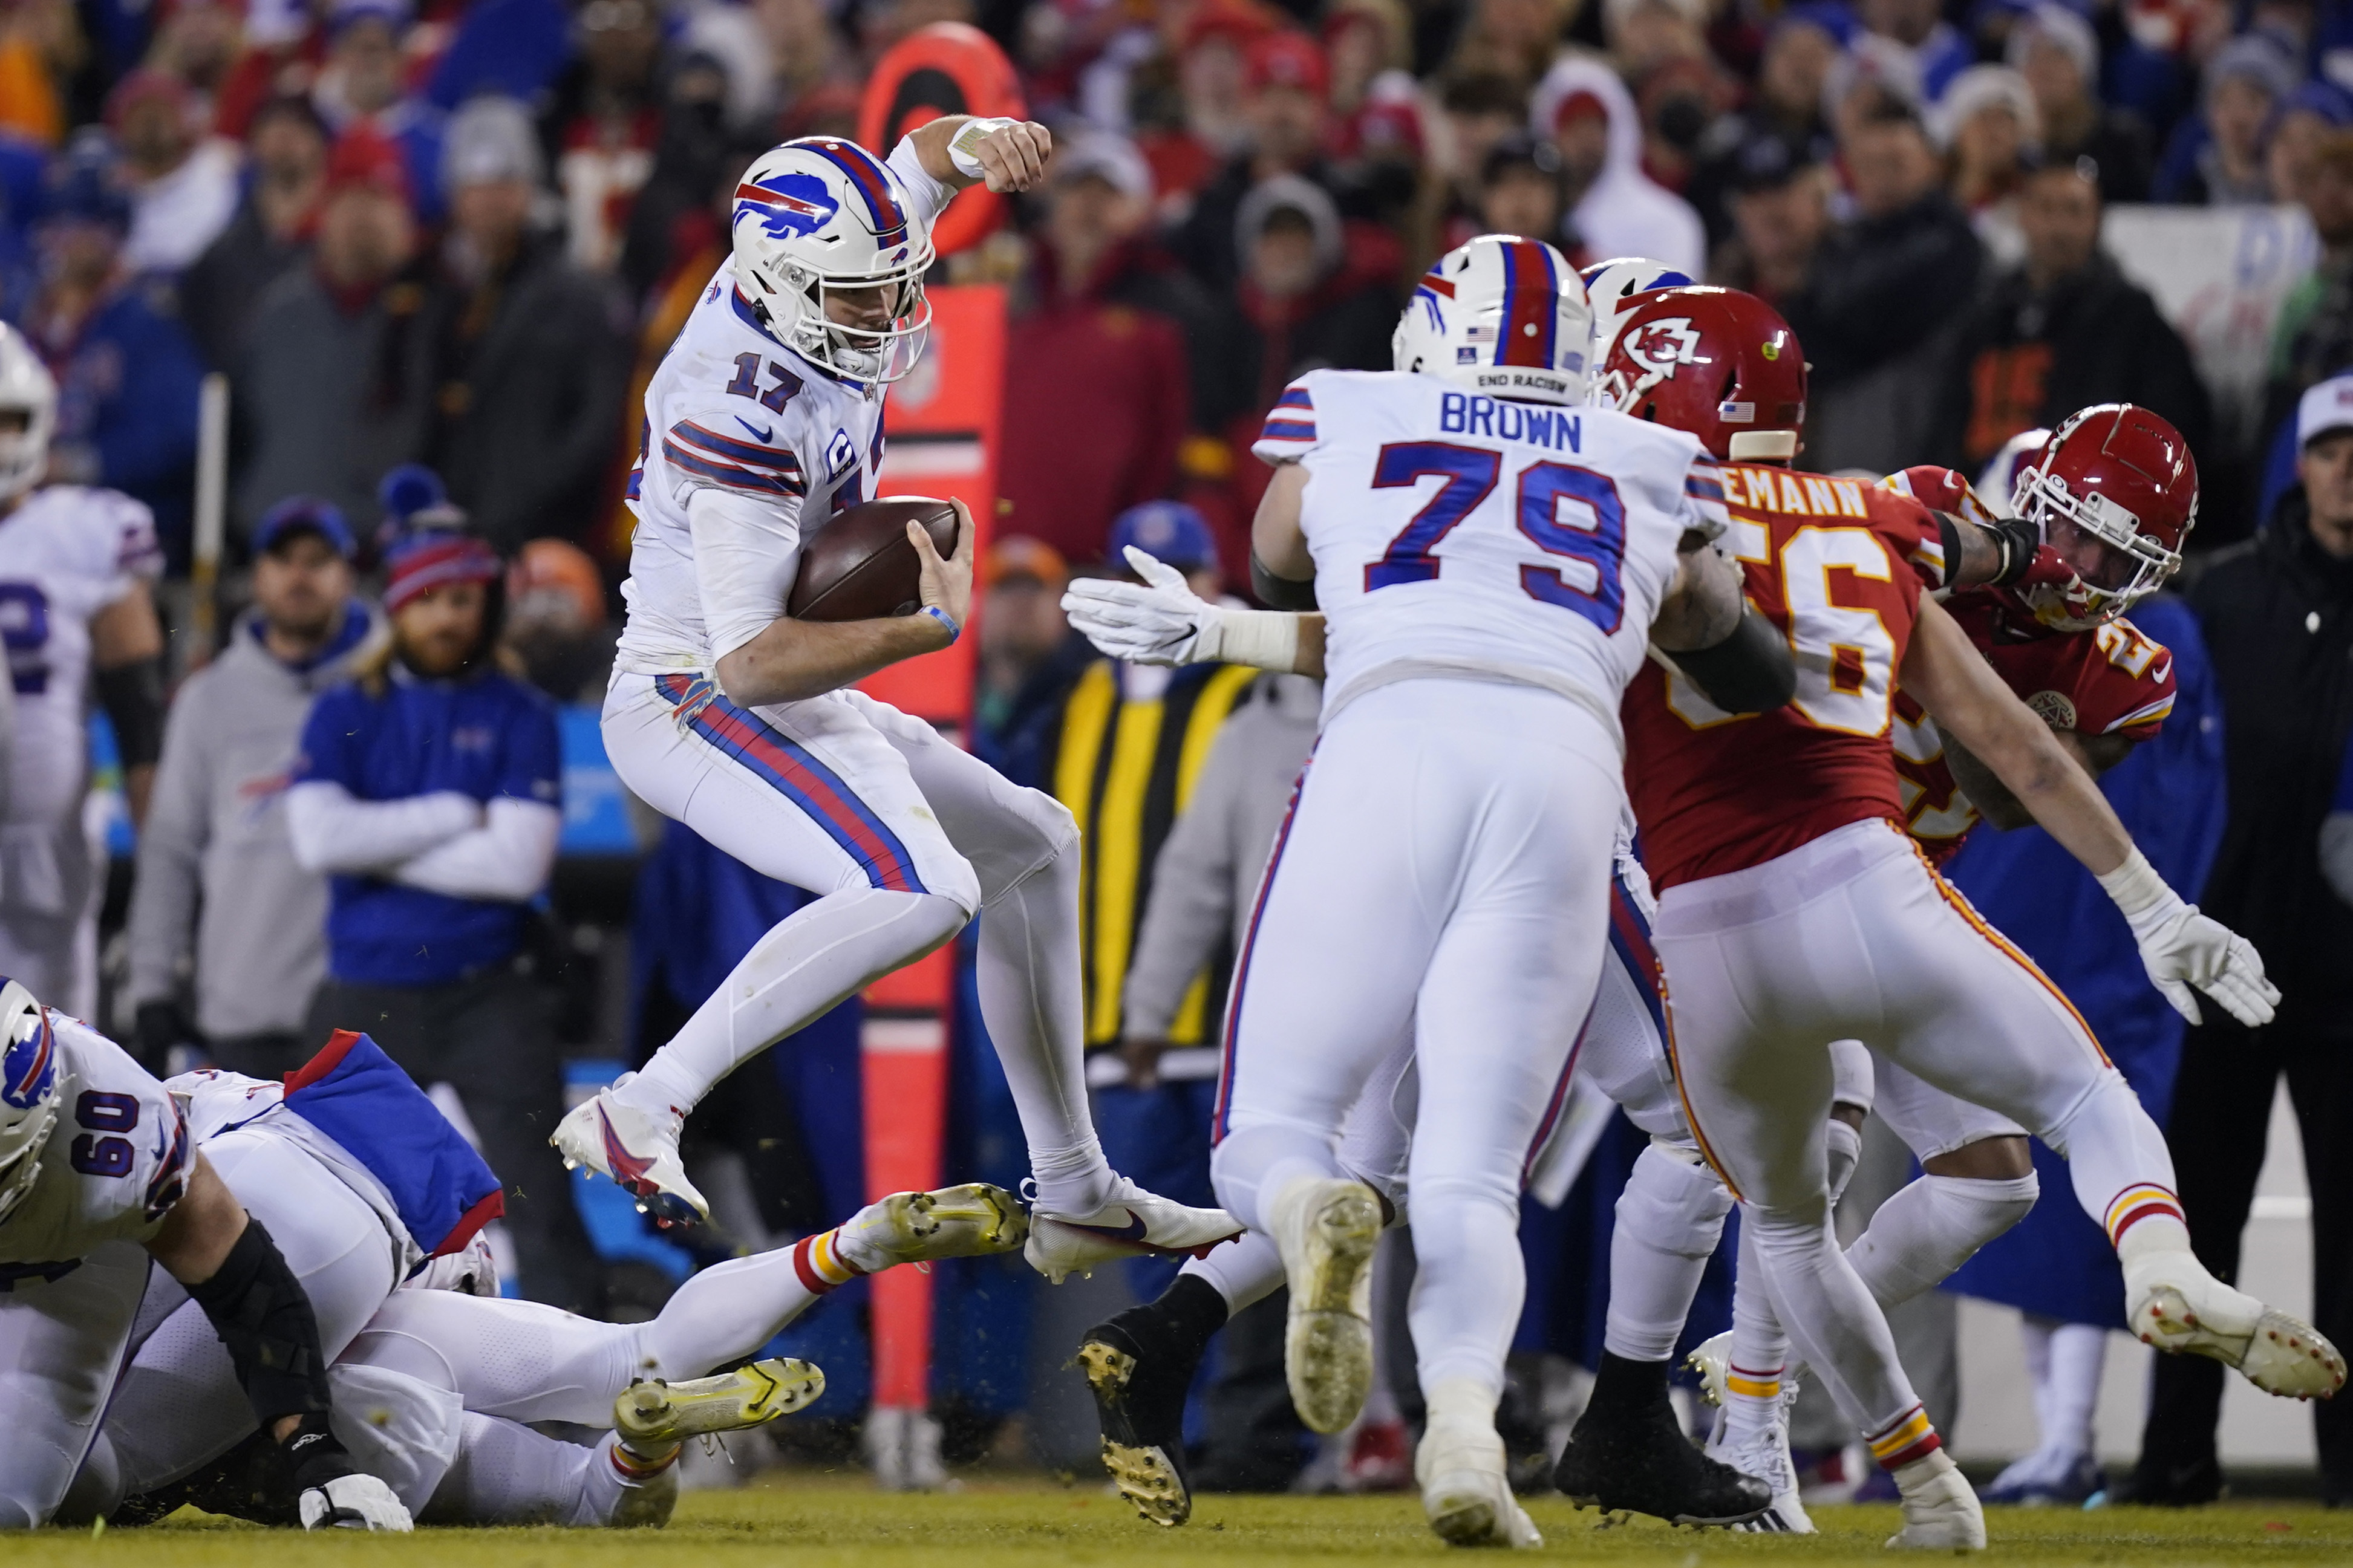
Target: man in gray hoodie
[{"x": 215, "y": 860}]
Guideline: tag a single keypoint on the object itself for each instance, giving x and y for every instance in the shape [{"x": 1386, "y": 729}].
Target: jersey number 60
[{"x": 1470, "y": 473}]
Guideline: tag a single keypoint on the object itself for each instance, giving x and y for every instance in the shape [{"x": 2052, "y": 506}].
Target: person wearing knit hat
[
  {"x": 183, "y": 186},
  {"x": 2216, "y": 156},
  {"x": 1286, "y": 106},
  {"x": 2059, "y": 54},
  {"x": 428, "y": 791}
]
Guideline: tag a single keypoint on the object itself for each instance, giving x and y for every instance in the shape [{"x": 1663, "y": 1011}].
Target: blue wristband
[{"x": 955, "y": 631}]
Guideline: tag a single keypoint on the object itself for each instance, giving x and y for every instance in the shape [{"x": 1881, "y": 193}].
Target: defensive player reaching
[
  {"x": 1492, "y": 562},
  {"x": 1791, "y": 897},
  {"x": 764, "y": 420},
  {"x": 2112, "y": 492},
  {"x": 97, "y": 1178},
  {"x": 77, "y": 615}
]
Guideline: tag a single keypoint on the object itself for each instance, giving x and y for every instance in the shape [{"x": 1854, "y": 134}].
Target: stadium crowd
[{"x": 438, "y": 250}]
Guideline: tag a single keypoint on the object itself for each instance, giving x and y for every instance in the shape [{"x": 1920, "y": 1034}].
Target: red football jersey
[
  {"x": 2107, "y": 681},
  {"x": 1839, "y": 566}
]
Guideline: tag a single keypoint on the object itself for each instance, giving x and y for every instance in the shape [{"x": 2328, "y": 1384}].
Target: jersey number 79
[{"x": 1590, "y": 531}]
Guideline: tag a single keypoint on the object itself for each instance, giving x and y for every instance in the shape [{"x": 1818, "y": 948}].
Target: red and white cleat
[
  {"x": 1135, "y": 1223},
  {"x": 638, "y": 1152},
  {"x": 2184, "y": 1309}
]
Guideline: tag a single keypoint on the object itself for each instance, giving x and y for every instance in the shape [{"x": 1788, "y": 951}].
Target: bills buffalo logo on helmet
[
  {"x": 789, "y": 205},
  {"x": 29, "y": 1067},
  {"x": 1662, "y": 345}
]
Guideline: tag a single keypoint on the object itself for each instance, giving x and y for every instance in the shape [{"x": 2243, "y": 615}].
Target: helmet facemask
[
  {"x": 28, "y": 414},
  {"x": 2117, "y": 563},
  {"x": 796, "y": 306}
]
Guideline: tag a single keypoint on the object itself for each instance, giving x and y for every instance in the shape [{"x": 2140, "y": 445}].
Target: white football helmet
[
  {"x": 1610, "y": 287},
  {"x": 1499, "y": 315},
  {"x": 1997, "y": 485},
  {"x": 824, "y": 216},
  {"x": 28, "y": 1090},
  {"x": 26, "y": 389}
]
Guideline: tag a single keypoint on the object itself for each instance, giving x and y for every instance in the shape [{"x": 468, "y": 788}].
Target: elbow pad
[
  {"x": 132, "y": 696},
  {"x": 1280, "y": 592},
  {"x": 1751, "y": 671},
  {"x": 257, "y": 1308}
]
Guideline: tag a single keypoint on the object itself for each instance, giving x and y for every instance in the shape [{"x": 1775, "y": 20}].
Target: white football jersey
[
  {"x": 67, "y": 552},
  {"x": 1455, "y": 530},
  {"x": 117, "y": 1159},
  {"x": 732, "y": 408}
]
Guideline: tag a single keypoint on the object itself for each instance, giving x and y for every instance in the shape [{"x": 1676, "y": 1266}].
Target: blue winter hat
[
  {"x": 1829, "y": 16},
  {"x": 82, "y": 188},
  {"x": 1175, "y": 532},
  {"x": 407, "y": 490},
  {"x": 300, "y": 514}
]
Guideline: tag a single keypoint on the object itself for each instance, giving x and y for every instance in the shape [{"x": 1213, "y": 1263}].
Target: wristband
[
  {"x": 1263, "y": 639},
  {"x": 2141, "y": 892},
  {"x": 961, "y": 148},
  {"x": 949, "y": 620}
]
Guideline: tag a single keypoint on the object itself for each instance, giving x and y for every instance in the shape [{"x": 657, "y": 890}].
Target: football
[{"x": 861, "y": 566}]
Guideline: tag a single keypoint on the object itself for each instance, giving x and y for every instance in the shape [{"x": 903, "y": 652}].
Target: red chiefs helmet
[
  {"x": 1716, "y": 362},
  {"x": 2115, "y": 492}
]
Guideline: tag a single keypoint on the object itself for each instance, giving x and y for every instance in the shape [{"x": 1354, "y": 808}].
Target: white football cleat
[
  {"x": 640, "y": 1153},
  {"x": 1131, "y": 1224},
  {"x": 654, "y": 1413},
  {"x": 2180, "y": 1308},
  {"x": 1765, "y": 1456},
  {"x": 1712, "y": 1359},
  {"x": 1326, "y": 1229},
  {"x": 1940, "y": 1510},
  {"x": 969, "y": 1221},
  {"x": 1464, "y": 1492}
]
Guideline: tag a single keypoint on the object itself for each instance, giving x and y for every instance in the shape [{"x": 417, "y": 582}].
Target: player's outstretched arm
[
  {"x": 2181, "y": 947},
  {"x": 791, "y": 659},
  {"x": 1162, "y": 621},
  {"x": 959, "y": 149},
  {"x": 234, "y": 1273},
  {"x": 1735, "y": 657},
  {"x": 2095, "y": 754}
]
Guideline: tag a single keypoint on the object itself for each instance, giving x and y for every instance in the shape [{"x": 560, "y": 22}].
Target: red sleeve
[
  {"x": 1911, "y": 530},
  {"x": 2110, "y": 680}
]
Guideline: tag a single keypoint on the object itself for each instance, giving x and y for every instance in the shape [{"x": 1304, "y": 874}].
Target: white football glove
[
  {"x": 1157, "y": 621},
  {"x": 2181, "y": 948},
  {"x": 1162, "y": 621},
  {"x": 353, "y": 1502}
]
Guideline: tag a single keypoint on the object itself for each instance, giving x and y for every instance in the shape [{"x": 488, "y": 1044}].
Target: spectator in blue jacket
[
  {"x": 428, "y": 790},
  {"x": 127, "y": 372}
]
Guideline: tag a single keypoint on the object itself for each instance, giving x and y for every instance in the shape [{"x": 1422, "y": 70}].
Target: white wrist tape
[
  {"x": 962, "y": 150},
  {"x": 1264, "y": 639},
  {"x": 2141, "y": 893}
]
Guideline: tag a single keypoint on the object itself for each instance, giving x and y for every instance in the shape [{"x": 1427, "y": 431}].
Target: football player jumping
[{"x": 764, "y": 419}]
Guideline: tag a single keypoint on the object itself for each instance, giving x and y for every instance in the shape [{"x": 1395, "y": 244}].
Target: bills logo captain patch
[
  {"x": 29, "y": 1068},
  {"x": 788, "y": 206}
]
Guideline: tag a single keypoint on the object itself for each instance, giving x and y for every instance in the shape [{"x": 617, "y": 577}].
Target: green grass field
[{"x": 827, "y": 1524}]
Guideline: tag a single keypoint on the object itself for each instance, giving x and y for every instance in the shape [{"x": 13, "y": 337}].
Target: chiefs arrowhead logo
[{"x": 1665, "y": 344}]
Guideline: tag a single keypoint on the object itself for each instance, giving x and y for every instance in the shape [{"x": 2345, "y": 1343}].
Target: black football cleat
[
  {"x": 1628, "y": 1453},
  {"x": 1139, "y": 1366}
]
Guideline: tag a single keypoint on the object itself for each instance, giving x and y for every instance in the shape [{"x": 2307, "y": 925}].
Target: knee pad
[
  {"x": 1672, "y": 1204},
  {"x": 1984, "y": 1209},
  {"x": 1855, "y": 1074}
]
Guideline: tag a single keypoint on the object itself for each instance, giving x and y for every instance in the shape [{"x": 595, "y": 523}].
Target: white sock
[
  {"x": 1032, "y": 1002},
  {"x": 795, "y": 973},
  {"x": 726, "y": 1312},
  {"x": 1468, "y": 1285},
  {"x": 1760, "y": 1349},
  {"x": 1829, "y": 1314},
  {"x": 1245, "y": 1271},
  {"x": 1253, "y": 1163},
  {"x": 1931, "y": 1227},
  {"x": 2122, "y": 1172},
  {"x": 1670, "y": 1218},
  {"x": 504, "y": 1473},
  {"x": 2078, "y": 1352}
]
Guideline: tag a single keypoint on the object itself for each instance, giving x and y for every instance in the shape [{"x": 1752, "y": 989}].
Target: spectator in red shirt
[
  {"x": 1209, "y": 74},
  {"x": 600, "y": 132},
  {"x": 1097, "y": 386}
]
